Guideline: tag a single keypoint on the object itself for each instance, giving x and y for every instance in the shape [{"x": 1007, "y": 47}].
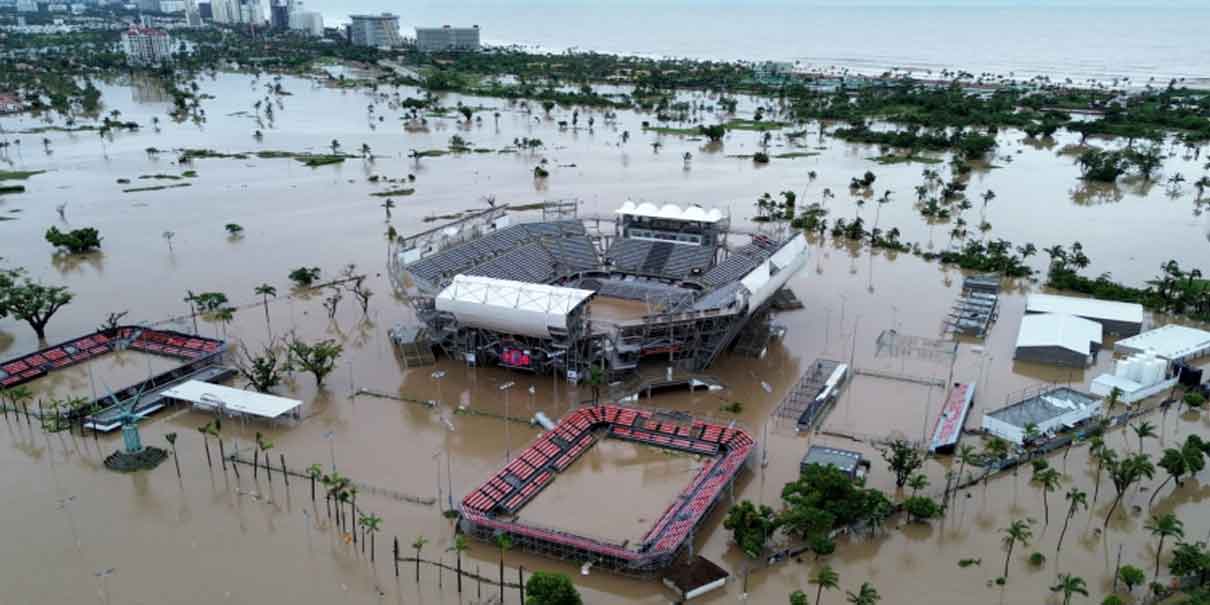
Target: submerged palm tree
[
  {"x": 1016, "y": 532},
  {"x": 825, "y": 578},
  {"x": 1143, "y": 430},
  {"x": 265, "y": 291},
  {"x": 866, "y": 595},
  {"x": 1070, "y": 585},
  {"x": 418, "y": 544},
  {"x": 1164, "y": 526},
  {"x": 1076, "y": 499},
  {"x": 460, "y": 546},
  {"x": 371, "y": 524},
  {"x": 1047, "y": 480}
]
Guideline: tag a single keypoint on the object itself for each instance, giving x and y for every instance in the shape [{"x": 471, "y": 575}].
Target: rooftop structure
[
  {"x": 1047, "y": 409},
  {"x": 1136, "y": 377},
  {"x": 952, "y": 418},
  {"x": 374, "y": 30},
  {"x": 1171, "y": 342},
  {"x": 146, "y": 46},
  {"x": 1058, "y": 339},
  {"x": 850, "y": 463},
  {"x": 671, "y": 212},
  {"x": 447, "y": 39},
  {"x": 490, "y": 509},
  {"x": 511, "y": 306},
  {"x": 695, "y": 578},
  {"x": 1118, "y": 318},
  {"x": 233, "y": 401}
]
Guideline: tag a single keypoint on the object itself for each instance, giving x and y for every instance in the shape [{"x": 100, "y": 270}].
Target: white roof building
[
  {"x": 1057, "y": 338},
  {"x": 671, "y": 212},
  {"x": 1171, "y": 342},
  {"x": 229, "y": 400},
  {"x": 511, "y": 307},
  {"x": 1117, "y": 317}
]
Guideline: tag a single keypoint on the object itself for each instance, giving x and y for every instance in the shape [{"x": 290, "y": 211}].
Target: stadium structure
[
  {"x": 492, "y": 508},
  {"x": 561, "y": 295}
]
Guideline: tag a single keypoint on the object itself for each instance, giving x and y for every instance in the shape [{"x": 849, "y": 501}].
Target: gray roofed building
[{"x": 850, "y": 463}]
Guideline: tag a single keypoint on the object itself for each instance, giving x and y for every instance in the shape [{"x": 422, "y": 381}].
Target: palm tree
[
  {"x": 966, "y": 455},
  {"x": 1018, "y": 531},
  {"x": 460, "y": 546},
  {"x": 866, "y": 595},
  {"x": 1125, "y": 473},
  {"x": 372, "y": 524},
  {"x": 1048, "y": 480},
  {"x": 825, "y": 578},
  {"x": 315, "y": 471},
  {"x": 1104, "y": 457},
  {"x": 265, "y": 291},
  {"x": 205, "y": 431},
  {"x": 1069, "y": 585},
  {"x": 1173, "y": 462},
  {"x": 1076, "y": 499},
  {"x": 503, "y": 542},
  {"x": 171, "y": 437},
  {"x": 418, "y": 544},
  {"x": 335, "y": 145},
  {"x": 1143, "y": 430},
  {"x": 1164, "y": 526}
]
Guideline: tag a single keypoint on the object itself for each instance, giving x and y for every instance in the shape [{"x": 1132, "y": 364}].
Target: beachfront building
[
  {"x": 1171, "y": 342},
  {"x": 9, "y": 103},
  {"x": 374, "y": 30},
  {"x": 1118, "y": 318},
  {"x": 146, "y": 45},
  {"x": 446, "y": 38},
  {"x": 308, "y": 22},
  {"x": 1057, "y": 339}
]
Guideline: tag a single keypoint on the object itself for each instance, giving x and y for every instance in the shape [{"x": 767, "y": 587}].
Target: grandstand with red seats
[
  {"x": 491, "y": 509},
  {"x": 198, "y": 355}
]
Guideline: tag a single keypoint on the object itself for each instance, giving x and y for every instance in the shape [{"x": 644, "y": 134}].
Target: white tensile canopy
[
  {"x": 239, "y": 401},
  {"x": 511, "y": 307},
  {"x": 671, "y": 212}
]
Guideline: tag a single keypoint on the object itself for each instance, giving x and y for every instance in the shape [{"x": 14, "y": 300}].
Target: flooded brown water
[
  {"x": 99, "y": 375},
  {"x": 592, "y": 497},
  {"x": 211, "y": 537}
]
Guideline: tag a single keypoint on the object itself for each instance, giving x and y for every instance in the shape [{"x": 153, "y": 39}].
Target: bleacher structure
[
  {"x": 702, "y": 298},
  {"x": 491, "y": 509},
  {"x": 200, "y": 357}
]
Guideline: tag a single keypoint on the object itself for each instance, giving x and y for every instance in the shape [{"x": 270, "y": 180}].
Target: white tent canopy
[
  {"x": 1056, "y": 330},
  {"x": 671, "y": 212},
  {"x": 511, "y": 307},
  {"x": 239, "y": 401}
]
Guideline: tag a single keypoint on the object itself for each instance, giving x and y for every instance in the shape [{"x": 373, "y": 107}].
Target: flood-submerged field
[{"x": 79, "y": 532}]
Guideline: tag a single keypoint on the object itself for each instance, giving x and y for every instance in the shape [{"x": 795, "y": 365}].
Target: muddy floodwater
[
  {"x": 74, "y": 532},
  {"x": 578, "y": 502}
]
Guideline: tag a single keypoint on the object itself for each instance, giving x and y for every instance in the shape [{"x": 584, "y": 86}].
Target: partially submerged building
[
  {"x": 1117, "y": 318},
  {"x": 490, "y": 291},
  {"x": 849, "y": 462},
  {"x": 1171, "y": 342},
  {"x": 1049, "y": 410},
  {"x": 1057, "y": 339}
]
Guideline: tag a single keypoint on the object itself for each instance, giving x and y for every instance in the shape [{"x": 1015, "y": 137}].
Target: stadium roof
[
  {"x": 1172, "y": 342},
  {"x": 511, "y": 307},
  {"x": 1056, "y": 330},
  {"x": 671, "y": 212},
  {"x": 1090, "y": 308}
]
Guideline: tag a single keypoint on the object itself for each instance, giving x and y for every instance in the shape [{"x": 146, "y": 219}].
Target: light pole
[
  {"x": 438, "y": 375},
  {"x": 508, "y": 443},
  {"x": 330, "y": 435},
  {"x": 104, "y": 575}
]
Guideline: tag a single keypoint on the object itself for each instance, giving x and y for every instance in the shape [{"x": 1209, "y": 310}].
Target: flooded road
[{"x": 213, "y": 537}]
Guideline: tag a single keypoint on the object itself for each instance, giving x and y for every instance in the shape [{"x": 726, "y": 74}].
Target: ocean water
[{"x": 1098, "y": 40}]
